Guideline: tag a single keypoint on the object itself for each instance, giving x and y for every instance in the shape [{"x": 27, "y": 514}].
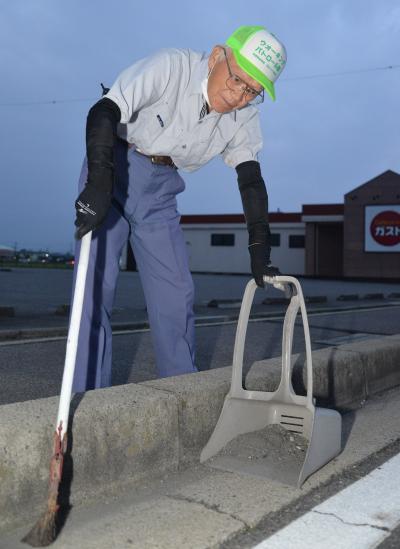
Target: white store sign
[{"x": 382, "y": 228}]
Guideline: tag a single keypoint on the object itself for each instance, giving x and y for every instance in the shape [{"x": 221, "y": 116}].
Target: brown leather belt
[{"x": 160, "y": 160}]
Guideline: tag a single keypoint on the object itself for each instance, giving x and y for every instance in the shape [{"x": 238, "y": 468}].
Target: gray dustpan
[{"x": 246, "y": 412}]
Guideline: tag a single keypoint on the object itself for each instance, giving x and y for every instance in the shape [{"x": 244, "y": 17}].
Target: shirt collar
[{"x": 198, "y": 75}]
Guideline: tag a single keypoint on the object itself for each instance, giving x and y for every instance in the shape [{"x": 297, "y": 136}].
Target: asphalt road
[{"x": 31, "y": 370}]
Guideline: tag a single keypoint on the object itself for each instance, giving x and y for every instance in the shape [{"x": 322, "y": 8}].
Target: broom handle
[{"x": 73, "y": 335}]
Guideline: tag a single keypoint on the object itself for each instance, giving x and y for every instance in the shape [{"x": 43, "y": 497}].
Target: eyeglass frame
[{"x": 245, "y": 88}]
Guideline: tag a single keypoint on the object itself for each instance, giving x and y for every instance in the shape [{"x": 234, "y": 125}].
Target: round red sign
[{"x": 385, "y": 228}]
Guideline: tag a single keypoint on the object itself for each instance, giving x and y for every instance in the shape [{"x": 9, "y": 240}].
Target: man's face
[{"x": 223, "y": 98}]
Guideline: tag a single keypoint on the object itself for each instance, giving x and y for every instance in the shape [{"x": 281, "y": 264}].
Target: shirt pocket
[
  {"x": 206, "y": 147},
  {"x": 153, "y": 121}
]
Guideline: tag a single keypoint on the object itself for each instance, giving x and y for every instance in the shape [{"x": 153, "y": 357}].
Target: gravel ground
[{"x": 272, "y": 452}]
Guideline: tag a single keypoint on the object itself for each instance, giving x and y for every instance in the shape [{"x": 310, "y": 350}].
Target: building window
[
  {"x": 296, "y": 241},
  {"x": 219, "y": 239},
  {"x": 275, "y": 239}
]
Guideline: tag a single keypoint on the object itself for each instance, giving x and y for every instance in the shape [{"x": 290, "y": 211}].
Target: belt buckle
[
  {"x": 156, "y": 160},
  {"x": 161, "y": 161}
]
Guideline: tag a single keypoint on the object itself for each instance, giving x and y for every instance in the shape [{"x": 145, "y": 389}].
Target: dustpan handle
[
  {"x": 308, "y": 350},
  {"x": 248, "y": 296},
  {"x": 240, "y": 338},
  {"x": 307, "y": 338},
  {"x": 297, "y": 301},
  {"x": 287, "y": 343}
]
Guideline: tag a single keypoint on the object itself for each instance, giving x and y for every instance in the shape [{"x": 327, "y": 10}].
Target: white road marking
[
  {"x": 360, "y": 516},
  {"x": 348, "y": 338},
  {"x": 32, "y": 340}
]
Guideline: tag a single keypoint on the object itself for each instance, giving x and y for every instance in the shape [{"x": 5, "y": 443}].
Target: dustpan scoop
[{"x": 278, "y": 434}]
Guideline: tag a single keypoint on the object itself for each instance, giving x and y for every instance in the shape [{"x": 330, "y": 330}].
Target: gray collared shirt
[{"x": 160, "y": 100}]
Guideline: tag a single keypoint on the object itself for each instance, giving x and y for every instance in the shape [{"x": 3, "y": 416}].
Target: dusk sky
[{"x": 335, "y": 123}]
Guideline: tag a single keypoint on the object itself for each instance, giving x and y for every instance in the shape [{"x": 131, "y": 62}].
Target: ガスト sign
[
  {"x": 382, "y": 228},
  {"x": 385, "y": 228}
]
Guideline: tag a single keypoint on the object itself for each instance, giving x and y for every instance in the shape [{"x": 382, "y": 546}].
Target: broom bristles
[{"x": 44, "y": 531}]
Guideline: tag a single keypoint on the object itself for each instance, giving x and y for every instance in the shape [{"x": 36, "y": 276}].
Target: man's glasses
[{"x": 236, "y": 84}]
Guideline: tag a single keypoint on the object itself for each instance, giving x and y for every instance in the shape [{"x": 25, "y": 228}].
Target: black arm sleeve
[
  {"x": 101, "y": 131},
  {"x": 255, "y": 201}
]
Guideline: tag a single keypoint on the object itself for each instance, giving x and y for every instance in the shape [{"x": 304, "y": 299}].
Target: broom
[{"x": 45, "y": 530}]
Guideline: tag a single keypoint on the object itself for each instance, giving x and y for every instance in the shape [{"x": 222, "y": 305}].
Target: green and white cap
[{"x": 260, "y": 54}]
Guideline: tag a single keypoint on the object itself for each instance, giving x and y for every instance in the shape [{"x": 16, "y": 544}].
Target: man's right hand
[
  {"x": 91, "y": 206},
  {"x": 93, "y": 203}
]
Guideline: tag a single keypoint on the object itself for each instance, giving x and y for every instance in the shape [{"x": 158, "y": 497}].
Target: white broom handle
[{"x": 73, "y": 334}]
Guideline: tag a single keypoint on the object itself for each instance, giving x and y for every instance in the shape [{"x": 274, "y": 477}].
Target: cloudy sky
[{"x": 335, "y": 123}]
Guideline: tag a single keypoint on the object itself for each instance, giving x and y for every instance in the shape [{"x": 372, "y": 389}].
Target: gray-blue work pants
[{"x": 144, "y": 211}]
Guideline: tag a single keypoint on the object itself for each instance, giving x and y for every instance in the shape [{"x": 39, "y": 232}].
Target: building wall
[
  {"x": 289, "y": 260},
  {"x": 310, "y": 253},
  {"x": 324, "y": 249},
  {"x": 205, "y": 257},
  {"x": 329, "y": 249},
  {"x": 383, "y": 190}
]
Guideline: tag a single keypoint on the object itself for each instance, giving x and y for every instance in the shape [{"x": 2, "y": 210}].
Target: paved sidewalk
[{"x": 201, "y": 508}]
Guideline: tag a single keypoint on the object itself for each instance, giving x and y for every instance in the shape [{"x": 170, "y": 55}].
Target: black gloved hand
[
  {"x": 270, "y": 270},
  {"x": 260, "y": 263},
  {"x": 94, "y": 201},
  {"x": 91, "y": 206}
]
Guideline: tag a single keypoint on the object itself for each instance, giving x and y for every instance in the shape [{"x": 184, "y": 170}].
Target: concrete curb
[{"x": 133, "y": 432}]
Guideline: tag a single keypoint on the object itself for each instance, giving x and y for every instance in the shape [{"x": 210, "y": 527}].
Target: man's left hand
[{"x": 260, "y": 263}]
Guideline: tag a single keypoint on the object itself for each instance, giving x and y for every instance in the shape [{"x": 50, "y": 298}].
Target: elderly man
[{"x": 173, "y": 111}]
